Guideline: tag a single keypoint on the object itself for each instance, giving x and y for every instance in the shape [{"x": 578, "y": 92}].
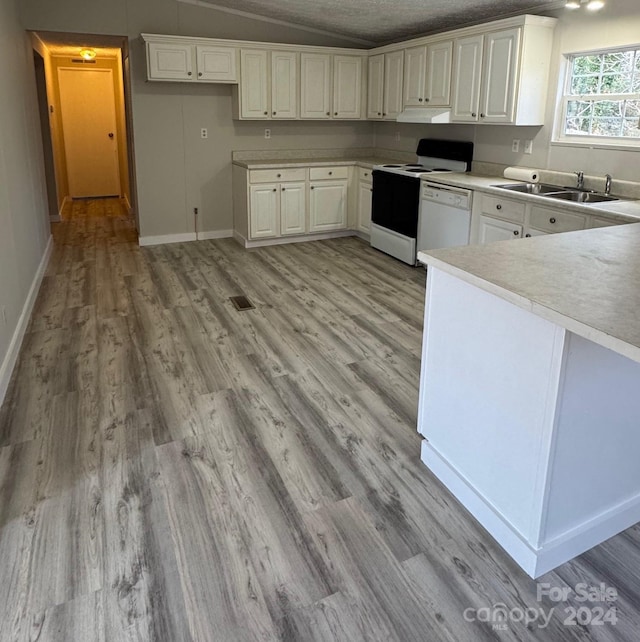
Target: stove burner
[
  {"x": 413, "y": 165},
  {"x": 392, "y": 166},
  {"x": 419, "y": 170}
]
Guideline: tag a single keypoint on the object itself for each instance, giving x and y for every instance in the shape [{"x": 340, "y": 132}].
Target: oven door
[{"x": 396, "y": 202}]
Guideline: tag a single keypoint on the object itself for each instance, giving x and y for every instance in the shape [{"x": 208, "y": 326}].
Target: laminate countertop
[
  {"x": 586, "y": 281},
  {"x": 274, "y": 163}
]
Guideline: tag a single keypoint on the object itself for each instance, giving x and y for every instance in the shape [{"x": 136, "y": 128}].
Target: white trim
[
  {"x": 11, "y": 357},
  {"x": 275, "y": 21},
  {"x": 303, "y": 238},
  {"x": 215, "y": 234},
  {"x": 167, "y": 238}
]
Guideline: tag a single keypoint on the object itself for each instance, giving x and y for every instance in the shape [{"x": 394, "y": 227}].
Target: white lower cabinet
[
  {"x": 293, "y": 208},
  {"x": 495, "y": 229},
  {"x": 264, "y": 208},
  {"x": 328, "y": 206},
  {"x": 365, "y": 189}
]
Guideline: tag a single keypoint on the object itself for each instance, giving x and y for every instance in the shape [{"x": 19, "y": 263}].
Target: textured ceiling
[{"x": 379, "y": 21}]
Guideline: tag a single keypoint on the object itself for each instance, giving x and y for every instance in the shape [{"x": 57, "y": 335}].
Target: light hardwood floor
[{"x": 174, "y": 470}]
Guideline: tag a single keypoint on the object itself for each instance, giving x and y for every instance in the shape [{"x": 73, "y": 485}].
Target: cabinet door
[
  {"x": 216, "y": 64},
  {"x": 315, "y": 85},
  {"x": 293, "y": 208},
  {"x": 467, "y": 67},
  {"x": 393, "y": 84},
  {"x": 500, "y": 68},
  {"x": 438, "y": 88},
  {"x": 347, "y": 87},
  {"x": 254, "y": 87},
  {"x": 375, "y": 88},
  {"x": 169, "y": 62},
  {"x": 284, "y": 84},
  {"x": 493, "y": 229},
  {"x": 364, "y": 206},
  {"x": 532, "y": 232},
  {"x": 328, "y": 206},
  {"x": 265, "y": 206},
  {"x": 415, "y": 64}
]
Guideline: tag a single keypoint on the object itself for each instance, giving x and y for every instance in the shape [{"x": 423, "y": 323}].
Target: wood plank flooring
[{"x": 172, "y": 469}]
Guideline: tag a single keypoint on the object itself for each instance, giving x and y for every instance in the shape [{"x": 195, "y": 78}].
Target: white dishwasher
[{"x": 445, "y": 216}]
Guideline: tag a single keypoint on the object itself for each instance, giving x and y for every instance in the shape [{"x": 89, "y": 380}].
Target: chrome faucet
[
  {"x": 580, "y": 176},
  {"x": 607, "y": 184}
]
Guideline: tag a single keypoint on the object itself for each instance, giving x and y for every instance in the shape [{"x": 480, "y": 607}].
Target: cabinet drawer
[
  {"x": 277, "y": 175},
  {"x": 325, "y": 173},
  {"x": 503, "y": 208},
  {"x": 364, "y": 175},
  {"x": 550, "y": 220},
  {"x": 601, "y": 221}
]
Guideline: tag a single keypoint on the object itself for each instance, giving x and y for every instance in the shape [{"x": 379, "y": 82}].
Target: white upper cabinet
[
  {"x": 254, "y": 83},
  {"x": 502, "y": 77},
  {"x": 216, "y": 64},
  {"x": 393, "y": 83},
  {"x": 315, "y": 86},
  {"x": 467, "y": 69},
  {"x": 375, "y": 87},
  {"x": 438, "y": 82},
  {"x": 415, "y": 65},
  {"x": 284, "y": 84},
  {"x": 347, "y": 87},
  {"x": 168, "y": 61}
]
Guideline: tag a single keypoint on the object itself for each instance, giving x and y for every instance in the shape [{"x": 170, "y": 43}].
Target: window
[{"x": 601, "y": 100}]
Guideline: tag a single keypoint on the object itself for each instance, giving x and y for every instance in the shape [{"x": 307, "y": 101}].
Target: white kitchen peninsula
[{"x": 530, "y": 388}]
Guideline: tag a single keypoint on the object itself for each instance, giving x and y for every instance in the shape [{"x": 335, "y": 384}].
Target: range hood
[{"x": 424, "y": 115}]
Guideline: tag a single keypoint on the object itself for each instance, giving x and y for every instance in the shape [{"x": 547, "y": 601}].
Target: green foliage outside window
[{"x": 603, "y": 95}]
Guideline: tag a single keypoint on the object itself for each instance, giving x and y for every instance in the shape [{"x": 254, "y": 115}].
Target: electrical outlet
[
  {"x": 397, "y": 137},
  {"x": 528, "y": 147},
  {"x": 267, "y": 134},
  {"x": 515, "y": 145},
  {"x": 204, "y": 133}
]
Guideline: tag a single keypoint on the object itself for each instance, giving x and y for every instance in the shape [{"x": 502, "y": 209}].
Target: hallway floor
[{"x": 172, "y": 469}]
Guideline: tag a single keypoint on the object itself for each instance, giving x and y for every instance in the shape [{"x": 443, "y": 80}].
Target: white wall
[
  {"x": 176, "y": 169},
  {"x": 618, "y": 24},
  {"x": 24, "y": 216}
]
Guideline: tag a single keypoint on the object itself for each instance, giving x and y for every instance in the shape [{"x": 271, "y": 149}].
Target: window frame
[{"x": 564, "y": 97}]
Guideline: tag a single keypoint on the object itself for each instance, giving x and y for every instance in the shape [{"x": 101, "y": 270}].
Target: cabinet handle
[
  {"x": 516, "y": 233},
  {"x": 527, "y": 236},
  {"x": 498, "y": 206},
  {"x": 552, "y": 220},
  {"x": 473, "y": 114}
]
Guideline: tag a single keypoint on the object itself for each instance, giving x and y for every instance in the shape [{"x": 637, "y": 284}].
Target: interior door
[{"x": 87, "y": 101}]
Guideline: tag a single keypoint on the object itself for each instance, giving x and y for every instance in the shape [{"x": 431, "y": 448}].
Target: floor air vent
[{"x": 242, "y": 303}]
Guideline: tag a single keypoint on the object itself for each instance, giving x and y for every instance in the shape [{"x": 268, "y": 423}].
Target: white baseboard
[
  {"x": 11, "y": 357},
  {"x": 303, "y": 238},
  {"x": 167, "y": 238},
  {"x": 215, "y": 234},
  {"x": 535, "y": 561}
]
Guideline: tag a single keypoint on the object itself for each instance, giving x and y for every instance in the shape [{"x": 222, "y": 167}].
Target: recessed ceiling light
[
  {"x": 88, "y": 54},
  {"x": 595, "y": 5},
  {"x": 572, "y": 4}
]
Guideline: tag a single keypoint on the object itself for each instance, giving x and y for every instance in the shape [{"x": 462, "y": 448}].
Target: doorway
[{"x": 87, "y": 106}]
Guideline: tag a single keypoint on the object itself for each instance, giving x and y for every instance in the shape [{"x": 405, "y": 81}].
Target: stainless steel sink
[
  {"x": 582, "y": 197},
  {"x": 531, "y": 188}
]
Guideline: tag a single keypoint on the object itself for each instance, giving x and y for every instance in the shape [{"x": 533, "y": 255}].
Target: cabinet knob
[
  {"x": 419, "y": 100},
  {"x": 552, "y": 220},
  {"x": 335, "y": 113},
  {"x": 528, "y": 236},
  {"x": 274, "y": 113},
  {"x": 473, "y": 114},
  {"x": 312, "y": 187},
  {"x": 328, "y": 113},
  {"x": 516, "y": 233},
  {"x": 384, "y": 114},
  {"x": 200, "y": 74},
  {"x": 498, "y": 206},
  {"x": 371, "y": 189},
  {"x": 274, "y": 189},
  {"x": 366, "y": 174},
  {"x": 330, "y": 173},
  {"x": 379, "y": 114},
  {"x": 283, "y": 189},
  {"x": 426, "y": 100},
  {"x": 481, "y": 115},
  {"x": 266, "y": 113},
  {"x": 279, "y": 175},
  {"x": 189, "y": 73}
]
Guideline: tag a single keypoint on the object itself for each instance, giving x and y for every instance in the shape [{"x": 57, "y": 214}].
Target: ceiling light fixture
[
  {"x": 88, "y": 54},
  {"x": 591, "y": 5}
]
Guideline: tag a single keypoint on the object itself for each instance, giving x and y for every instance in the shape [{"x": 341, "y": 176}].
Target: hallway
[{"x": 172, "y": 469}]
